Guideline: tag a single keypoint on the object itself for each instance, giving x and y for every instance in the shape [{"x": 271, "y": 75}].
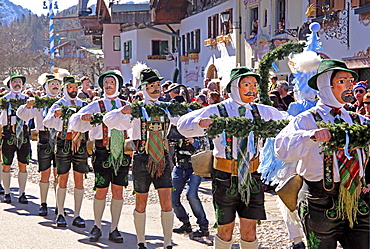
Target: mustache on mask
[
  {"x": 55, "y": 88},
  {"x": 155, "y": 92},
  {"x": 16, "y": 86},
  {"x": 250, "y": 94},
  {"x": 108, "y": 87}
]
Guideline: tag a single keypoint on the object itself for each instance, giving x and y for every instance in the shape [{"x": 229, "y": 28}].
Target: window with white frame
[
  {"x": 127, "y": 49},
  {"x": 116, "y": 43},
  {"x": 159, "y": 47}
]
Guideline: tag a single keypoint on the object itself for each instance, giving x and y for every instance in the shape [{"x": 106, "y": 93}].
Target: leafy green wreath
[{"x": 266, "y": 64}]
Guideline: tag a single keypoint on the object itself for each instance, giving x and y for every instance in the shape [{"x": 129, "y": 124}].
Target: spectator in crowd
[
  {"x": 201, "y": 99},
  {"x": 83, "y": 92},
  {"x": 204, "y": 91},
  {"x": 214, "y": 98},
  {"x": 280, "y": 104},
  {"x": 273, "y": 82},
  {"x": 283, "y": 88},
  {"x": 366, "y": 103},
  {"x": 359, "y": 90},
  {"x": 165, "y": 96},
  {"x": 225, "y": 95},
  {"x": 206, "y": 82},
  {"x": 191, "y": 94},
  {"x": 212, "y": 86}
]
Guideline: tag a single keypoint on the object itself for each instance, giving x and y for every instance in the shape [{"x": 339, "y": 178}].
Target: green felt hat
[
  {"x": 241, "y": 72},
  {"x": 70, "y": 80},
  {"x": 12, "y": 76},
  {"x": 148, "y": 76},
  {"x": 327, "y": 65},
  {"x": 115, "y": 73}
]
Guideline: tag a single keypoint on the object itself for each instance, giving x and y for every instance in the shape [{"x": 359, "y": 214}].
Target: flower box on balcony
[
  {"x": 224, "y": 38},
  {"x": 156, "y": 57},
  {"x": 126, "y": 61},
  {"x": 210, "y": 42},
  {"x": 194, "y": 56},
  {"x": 184, "y": 58}
]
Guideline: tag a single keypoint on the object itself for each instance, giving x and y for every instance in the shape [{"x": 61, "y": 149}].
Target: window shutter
[
  {"x": 339, "y": 5},
  {"x": 187, "y": 42},
  {"x": 164, "y": 47},
  {"x": 217, "y": 25},
  {"x": 197, "y": 40},
  {"x": 183, "y": 41},
  {"x": 130, "y": 49},
  {"x": 230, "y": 23},
  {"x": 210, "y": 27}
]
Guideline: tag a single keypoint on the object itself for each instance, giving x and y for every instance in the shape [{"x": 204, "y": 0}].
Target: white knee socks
[
  {"x": 99, "y": 206},
  {"x": 22, "y": 180},
  {"x": 220, "y": 244},
  {"x": 139, "y": 220},
  {"x": 248, "y": 245},
  {"x": 61, "y": 196},
  {"x": 44, "y": 188},
  {"x": 167, "y": 226},
  {"x": 6, "y": 182},
  {"x": 115, "y": 210},
  {"x": 78, "y": 195}
]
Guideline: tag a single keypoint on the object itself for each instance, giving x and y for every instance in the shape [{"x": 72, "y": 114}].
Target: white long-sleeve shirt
[
  {"x": 56, "y": 122},
  {"x": 4, "y": 113},
  {"x": 117, "y": 120},
  {"x": 293, "y": 143},
  {"x": 95, "y": 133},
  {"x": 188, "y": 125}
]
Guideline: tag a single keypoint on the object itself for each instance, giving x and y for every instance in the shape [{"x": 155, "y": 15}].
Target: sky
[{"x": 36, "y": 5}]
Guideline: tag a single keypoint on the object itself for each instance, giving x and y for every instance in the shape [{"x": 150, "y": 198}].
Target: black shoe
[
  {"x": 141, "y": 246},
  {"x": 23, "y": 199},
  {"x": 186, "y": 227},
  {"x": 7, "y": 199},
  {"x": 95, "y": 234},
  {"x": 115, "y": 236},
  {"x": 91, "y": 169},
  {"x": 201, "y": 233},
  {"x": 61, "y": 221},
  {"x": 169, "y": 247},
  {"x": 2, "y": 191},
  {"x": 43, "y": 209},
  {"x": 78, "y": 222},
  {"x": 299, "y": 245}
]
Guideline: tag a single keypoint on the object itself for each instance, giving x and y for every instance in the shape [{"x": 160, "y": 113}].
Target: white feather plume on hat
[
  {"x": 136, "y": 70},
  {"x": 305, "y": 62},
  {"x": 60, "y": 73},
  {"x": 42, "y": 78}
]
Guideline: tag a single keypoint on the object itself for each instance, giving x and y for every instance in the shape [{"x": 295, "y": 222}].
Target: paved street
[{"x": 25, "y": 229}]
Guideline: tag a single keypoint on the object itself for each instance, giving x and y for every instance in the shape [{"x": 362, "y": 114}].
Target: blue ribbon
[
  {"x": 346, "y": 153},
  {"x": 144, "y": 113},
  {"x": 250, "y": 143},
  {"x": 167, "y": 111},
  {"x": 9, "y": 109},
  {"x": 45, "y": 111},
  {"x": 223, "y": 135}
]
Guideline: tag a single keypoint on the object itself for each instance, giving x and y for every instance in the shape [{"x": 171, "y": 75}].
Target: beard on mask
[
  {"x": 72, "y": 94},
  {"x": 347, "y": 96}
]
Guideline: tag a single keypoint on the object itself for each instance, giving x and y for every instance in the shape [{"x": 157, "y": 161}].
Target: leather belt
[{"x": 231, "y": 166}]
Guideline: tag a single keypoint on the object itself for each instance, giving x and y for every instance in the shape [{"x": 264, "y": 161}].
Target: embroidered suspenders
[
  {"x": 145, "y": 125},
  {"x": 229, "y": 140},
  {"x": 328, "y": 183},
  {"x": 104, "y": 127}
]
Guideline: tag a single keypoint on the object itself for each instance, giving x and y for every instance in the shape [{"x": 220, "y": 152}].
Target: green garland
[
  {"x": 41, "y": 102},
  {"x": 68, "y": 111},
  {"x": 97, "y": 118},
  {"x": 15, "y": 103},
  {"x": 359, "y": 136},
  {"x": 266, "y": 64},
  {"x": 157, "y": 110},
  {"x": 240, "y": 127}
]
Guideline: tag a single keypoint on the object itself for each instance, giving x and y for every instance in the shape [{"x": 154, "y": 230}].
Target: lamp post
[{"x": 51, "y": 31}]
